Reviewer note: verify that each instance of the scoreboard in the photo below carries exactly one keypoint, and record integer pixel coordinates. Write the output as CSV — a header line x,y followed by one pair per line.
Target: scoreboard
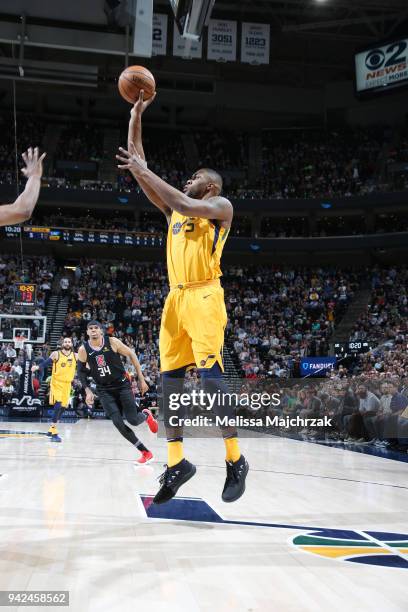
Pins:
x,y
347,349
25,294
73,236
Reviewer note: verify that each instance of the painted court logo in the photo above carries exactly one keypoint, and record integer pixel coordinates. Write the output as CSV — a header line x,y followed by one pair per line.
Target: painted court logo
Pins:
x,y
367,547
388,550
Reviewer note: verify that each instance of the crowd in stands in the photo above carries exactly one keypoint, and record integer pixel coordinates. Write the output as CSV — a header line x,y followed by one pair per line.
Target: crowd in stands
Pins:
x,y
284,227
397,162
311,164
10,371
390,223
38,270
222,150
360,410
385,319
293,163
30,133
81,142
276,315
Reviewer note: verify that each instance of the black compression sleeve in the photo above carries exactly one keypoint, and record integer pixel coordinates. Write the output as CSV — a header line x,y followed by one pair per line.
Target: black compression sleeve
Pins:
x,y
82,374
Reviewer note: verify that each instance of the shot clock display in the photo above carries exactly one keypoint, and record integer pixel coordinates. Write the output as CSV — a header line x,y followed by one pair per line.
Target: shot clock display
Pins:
x,y
25,294
344,349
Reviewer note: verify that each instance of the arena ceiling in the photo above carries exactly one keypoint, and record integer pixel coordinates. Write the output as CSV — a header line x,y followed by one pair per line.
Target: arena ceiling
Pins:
x,y
341,18
312,41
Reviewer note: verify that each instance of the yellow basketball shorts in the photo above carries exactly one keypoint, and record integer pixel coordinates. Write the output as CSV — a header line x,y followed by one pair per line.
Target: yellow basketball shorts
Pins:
x,y
60,392
192,327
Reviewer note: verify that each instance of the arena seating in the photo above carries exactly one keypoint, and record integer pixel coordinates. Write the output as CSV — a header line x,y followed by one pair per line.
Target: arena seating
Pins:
x,y
293,163
276,316
386,316
308,164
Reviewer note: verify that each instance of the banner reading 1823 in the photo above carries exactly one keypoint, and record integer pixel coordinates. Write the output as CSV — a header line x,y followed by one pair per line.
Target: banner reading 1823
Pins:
x,y
222,40
383,66
159,46
255,43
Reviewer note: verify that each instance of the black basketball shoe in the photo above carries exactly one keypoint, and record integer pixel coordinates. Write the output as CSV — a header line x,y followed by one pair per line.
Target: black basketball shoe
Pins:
x,y
172,479
235,482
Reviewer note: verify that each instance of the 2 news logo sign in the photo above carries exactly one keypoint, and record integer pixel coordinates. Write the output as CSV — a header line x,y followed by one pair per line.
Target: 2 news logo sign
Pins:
x,y
389,58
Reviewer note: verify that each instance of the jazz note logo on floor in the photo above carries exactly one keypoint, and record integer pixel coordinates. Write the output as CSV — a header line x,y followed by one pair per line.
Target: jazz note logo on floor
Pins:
x,y
367,547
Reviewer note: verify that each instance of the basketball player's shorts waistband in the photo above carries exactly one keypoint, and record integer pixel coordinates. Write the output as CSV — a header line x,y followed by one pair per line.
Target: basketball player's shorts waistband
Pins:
x,y
196,284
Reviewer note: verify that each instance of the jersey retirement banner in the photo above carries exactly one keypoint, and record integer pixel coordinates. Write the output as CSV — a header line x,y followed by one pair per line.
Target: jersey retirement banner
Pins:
x,y
255,43
222,40
182,47
159,46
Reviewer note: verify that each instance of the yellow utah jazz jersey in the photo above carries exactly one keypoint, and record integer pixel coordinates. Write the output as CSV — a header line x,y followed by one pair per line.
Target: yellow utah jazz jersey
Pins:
x,y
194,248
63,370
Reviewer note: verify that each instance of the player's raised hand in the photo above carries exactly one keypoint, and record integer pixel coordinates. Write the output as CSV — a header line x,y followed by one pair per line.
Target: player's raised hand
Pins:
x,y
131,160
33,163
140,106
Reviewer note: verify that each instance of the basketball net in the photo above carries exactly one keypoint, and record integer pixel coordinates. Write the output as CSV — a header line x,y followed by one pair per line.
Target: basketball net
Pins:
x,y
19,342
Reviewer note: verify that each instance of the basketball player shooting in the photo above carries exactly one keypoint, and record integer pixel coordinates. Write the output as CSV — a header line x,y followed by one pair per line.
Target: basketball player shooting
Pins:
x,y
194,315
64,363
103,354
22,209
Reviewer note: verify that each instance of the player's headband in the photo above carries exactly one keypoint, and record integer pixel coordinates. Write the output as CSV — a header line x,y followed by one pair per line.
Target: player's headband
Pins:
x,y
91,323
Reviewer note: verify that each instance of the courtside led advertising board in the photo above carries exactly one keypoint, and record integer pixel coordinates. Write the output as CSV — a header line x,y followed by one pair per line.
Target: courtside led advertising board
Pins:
x,y
382,67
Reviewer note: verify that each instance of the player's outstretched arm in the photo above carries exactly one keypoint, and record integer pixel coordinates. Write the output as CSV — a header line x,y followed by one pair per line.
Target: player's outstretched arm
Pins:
x,y
135,123
135,144
214,208
149,192
126,351
44,363
22,209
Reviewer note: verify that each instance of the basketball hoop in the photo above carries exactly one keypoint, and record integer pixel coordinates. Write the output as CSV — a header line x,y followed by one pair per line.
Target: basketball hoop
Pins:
x,y
19,342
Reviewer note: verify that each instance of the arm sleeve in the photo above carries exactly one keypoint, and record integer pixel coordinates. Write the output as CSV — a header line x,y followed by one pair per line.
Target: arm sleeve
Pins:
x,y
82,374
44,363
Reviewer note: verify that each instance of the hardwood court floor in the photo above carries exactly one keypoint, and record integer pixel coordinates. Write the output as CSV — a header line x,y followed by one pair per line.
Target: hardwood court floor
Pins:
x,y
77,516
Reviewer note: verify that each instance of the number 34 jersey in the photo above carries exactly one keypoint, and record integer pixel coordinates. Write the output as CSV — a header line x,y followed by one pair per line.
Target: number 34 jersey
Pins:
x,y
106,367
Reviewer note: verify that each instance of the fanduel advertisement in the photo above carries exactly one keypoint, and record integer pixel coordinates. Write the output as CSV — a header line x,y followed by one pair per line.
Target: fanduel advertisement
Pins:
x,y
316,366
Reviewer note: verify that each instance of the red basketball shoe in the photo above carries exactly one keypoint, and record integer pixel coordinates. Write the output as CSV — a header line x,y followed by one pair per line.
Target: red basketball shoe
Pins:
x,y
151,421
147,457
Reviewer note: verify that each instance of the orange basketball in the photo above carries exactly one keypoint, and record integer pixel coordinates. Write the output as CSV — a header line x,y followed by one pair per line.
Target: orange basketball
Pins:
x,y
132,80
